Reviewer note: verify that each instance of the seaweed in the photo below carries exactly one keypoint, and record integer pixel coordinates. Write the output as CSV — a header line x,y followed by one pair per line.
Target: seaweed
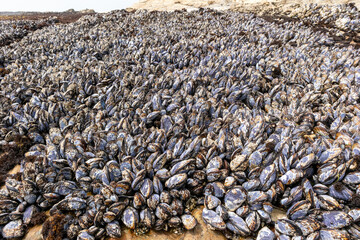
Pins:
x,y
53,228
3,72
355,200
11,155
37,219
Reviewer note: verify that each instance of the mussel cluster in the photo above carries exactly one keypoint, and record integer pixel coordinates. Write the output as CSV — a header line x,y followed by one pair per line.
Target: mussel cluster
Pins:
x,y
137,117
13,30
344,17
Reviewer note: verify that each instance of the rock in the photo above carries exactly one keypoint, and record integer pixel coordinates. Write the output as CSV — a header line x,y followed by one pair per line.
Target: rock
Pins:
x,y
34,233
88,11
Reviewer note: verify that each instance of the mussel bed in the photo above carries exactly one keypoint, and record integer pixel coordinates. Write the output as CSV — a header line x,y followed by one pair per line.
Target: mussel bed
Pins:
x,y
135,118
